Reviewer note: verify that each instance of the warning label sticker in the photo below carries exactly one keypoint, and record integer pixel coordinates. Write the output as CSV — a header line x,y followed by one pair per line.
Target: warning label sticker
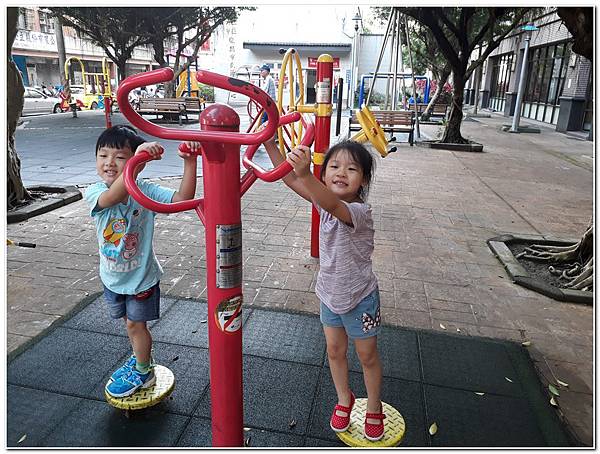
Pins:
x,y
228,314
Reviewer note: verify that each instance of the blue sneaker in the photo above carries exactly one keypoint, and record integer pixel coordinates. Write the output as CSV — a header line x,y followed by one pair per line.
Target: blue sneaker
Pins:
x,y
127,384
124,369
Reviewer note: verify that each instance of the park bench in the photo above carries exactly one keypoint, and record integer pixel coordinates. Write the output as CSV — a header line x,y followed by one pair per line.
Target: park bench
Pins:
x,y
194,105
164,106
390,121
439,110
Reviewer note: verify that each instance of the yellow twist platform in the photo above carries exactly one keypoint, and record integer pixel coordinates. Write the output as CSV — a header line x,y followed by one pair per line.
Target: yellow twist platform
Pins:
x,y
393,432
142,398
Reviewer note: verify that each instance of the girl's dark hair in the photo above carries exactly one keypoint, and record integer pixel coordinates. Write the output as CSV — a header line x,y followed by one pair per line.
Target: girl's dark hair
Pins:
x,y
360,155
119,136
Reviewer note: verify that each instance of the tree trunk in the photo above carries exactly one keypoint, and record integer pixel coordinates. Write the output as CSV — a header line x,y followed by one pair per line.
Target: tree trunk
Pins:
x,y
438,91
452,132
17,194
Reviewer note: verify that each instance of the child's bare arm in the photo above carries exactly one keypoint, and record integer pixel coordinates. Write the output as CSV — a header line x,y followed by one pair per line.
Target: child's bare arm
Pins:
x,y
299,158
187,187
291,180
117,192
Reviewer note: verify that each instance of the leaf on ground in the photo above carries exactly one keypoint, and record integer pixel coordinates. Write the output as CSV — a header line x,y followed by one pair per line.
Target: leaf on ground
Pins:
x,y
553,402
526,343
508,379
292,423
175,358
202,321
458,330
562,383
433,429
553,390
442,326
22,438
480,394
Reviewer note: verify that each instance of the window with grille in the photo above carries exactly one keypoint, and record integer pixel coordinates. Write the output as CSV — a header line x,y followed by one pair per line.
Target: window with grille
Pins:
x,y
501,70
46,22
546,72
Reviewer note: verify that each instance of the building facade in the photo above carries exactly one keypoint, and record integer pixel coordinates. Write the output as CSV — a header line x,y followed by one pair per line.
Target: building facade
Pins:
x,y
558,86
35,52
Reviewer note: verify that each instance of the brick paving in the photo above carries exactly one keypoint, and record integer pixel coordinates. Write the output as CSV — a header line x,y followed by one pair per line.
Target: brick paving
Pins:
x,y
433,212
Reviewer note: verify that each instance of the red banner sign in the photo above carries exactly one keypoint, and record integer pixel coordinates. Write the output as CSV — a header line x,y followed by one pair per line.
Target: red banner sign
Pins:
x,y
312,62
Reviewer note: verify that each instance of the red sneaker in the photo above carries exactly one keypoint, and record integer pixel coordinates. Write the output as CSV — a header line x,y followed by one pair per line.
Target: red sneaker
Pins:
x,y
341,423
374,432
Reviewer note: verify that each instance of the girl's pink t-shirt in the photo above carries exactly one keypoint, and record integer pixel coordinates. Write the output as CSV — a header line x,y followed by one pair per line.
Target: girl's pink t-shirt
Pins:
x,y
346,273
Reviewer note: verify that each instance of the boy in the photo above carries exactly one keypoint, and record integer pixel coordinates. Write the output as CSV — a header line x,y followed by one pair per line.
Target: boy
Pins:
x,y
129,269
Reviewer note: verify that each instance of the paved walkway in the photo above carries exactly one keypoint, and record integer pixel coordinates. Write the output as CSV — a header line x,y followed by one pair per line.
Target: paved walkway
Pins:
x,y
433,212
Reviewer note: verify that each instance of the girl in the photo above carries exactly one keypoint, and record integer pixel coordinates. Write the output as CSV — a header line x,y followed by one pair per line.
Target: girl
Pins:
x,y
346,284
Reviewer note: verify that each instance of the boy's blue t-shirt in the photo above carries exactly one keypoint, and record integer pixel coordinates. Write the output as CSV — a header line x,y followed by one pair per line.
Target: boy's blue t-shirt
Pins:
x,y
127,262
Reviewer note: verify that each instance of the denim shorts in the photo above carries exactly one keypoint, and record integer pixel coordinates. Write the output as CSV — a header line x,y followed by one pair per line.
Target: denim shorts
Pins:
x,y
143,307
361,322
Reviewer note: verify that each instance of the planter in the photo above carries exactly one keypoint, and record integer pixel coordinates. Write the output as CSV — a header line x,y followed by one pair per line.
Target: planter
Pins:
x,y
501,247
48,198
472,146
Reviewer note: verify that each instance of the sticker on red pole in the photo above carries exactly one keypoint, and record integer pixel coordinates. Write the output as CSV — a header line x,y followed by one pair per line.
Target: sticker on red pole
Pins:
x,y
324,91
229,256
228,314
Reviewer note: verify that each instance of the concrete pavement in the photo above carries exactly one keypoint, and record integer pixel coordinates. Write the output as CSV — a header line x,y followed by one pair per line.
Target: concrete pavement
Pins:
x,y
433,212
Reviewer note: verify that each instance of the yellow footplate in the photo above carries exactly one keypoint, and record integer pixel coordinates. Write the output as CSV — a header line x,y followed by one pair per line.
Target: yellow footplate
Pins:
x,y
393,433
142,398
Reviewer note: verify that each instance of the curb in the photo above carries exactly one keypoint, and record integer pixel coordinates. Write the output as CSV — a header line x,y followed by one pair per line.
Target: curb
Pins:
x,y
520,276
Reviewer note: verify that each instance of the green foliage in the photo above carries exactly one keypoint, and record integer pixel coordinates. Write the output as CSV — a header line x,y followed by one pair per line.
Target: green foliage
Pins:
x,y
207,92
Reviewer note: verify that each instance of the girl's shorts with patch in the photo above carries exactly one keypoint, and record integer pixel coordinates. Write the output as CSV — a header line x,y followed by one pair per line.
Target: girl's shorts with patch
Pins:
x,y
143,307
361,322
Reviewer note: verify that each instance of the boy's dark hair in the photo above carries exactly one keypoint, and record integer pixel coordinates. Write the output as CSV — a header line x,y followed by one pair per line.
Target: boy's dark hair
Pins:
x,y
363,158
119,136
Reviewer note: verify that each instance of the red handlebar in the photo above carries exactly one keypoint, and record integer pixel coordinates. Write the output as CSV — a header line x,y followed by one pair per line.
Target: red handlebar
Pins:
x,y
145,201
209,78
285,167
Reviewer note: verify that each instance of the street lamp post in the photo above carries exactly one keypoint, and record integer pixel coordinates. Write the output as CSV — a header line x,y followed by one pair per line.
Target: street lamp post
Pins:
x,y
517,115
354,73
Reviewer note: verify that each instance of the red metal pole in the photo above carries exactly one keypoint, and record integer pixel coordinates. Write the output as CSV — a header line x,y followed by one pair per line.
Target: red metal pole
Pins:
x,y
222,210
322,133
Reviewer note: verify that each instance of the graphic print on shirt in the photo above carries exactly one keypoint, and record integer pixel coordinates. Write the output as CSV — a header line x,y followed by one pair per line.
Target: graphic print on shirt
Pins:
x,y
369,322
131,245
120,250
114,231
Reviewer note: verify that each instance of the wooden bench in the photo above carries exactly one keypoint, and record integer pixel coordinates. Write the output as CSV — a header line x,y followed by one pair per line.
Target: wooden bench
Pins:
x,y
163,106
439,110
194,105
391,121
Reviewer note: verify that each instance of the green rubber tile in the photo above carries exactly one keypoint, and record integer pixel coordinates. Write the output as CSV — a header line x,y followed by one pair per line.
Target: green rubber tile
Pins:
x,y
398,352
320,443
198,433
275,394
67,361
95,317
33,414
285,336
98,424
467,419
468,363
404,396
186,323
